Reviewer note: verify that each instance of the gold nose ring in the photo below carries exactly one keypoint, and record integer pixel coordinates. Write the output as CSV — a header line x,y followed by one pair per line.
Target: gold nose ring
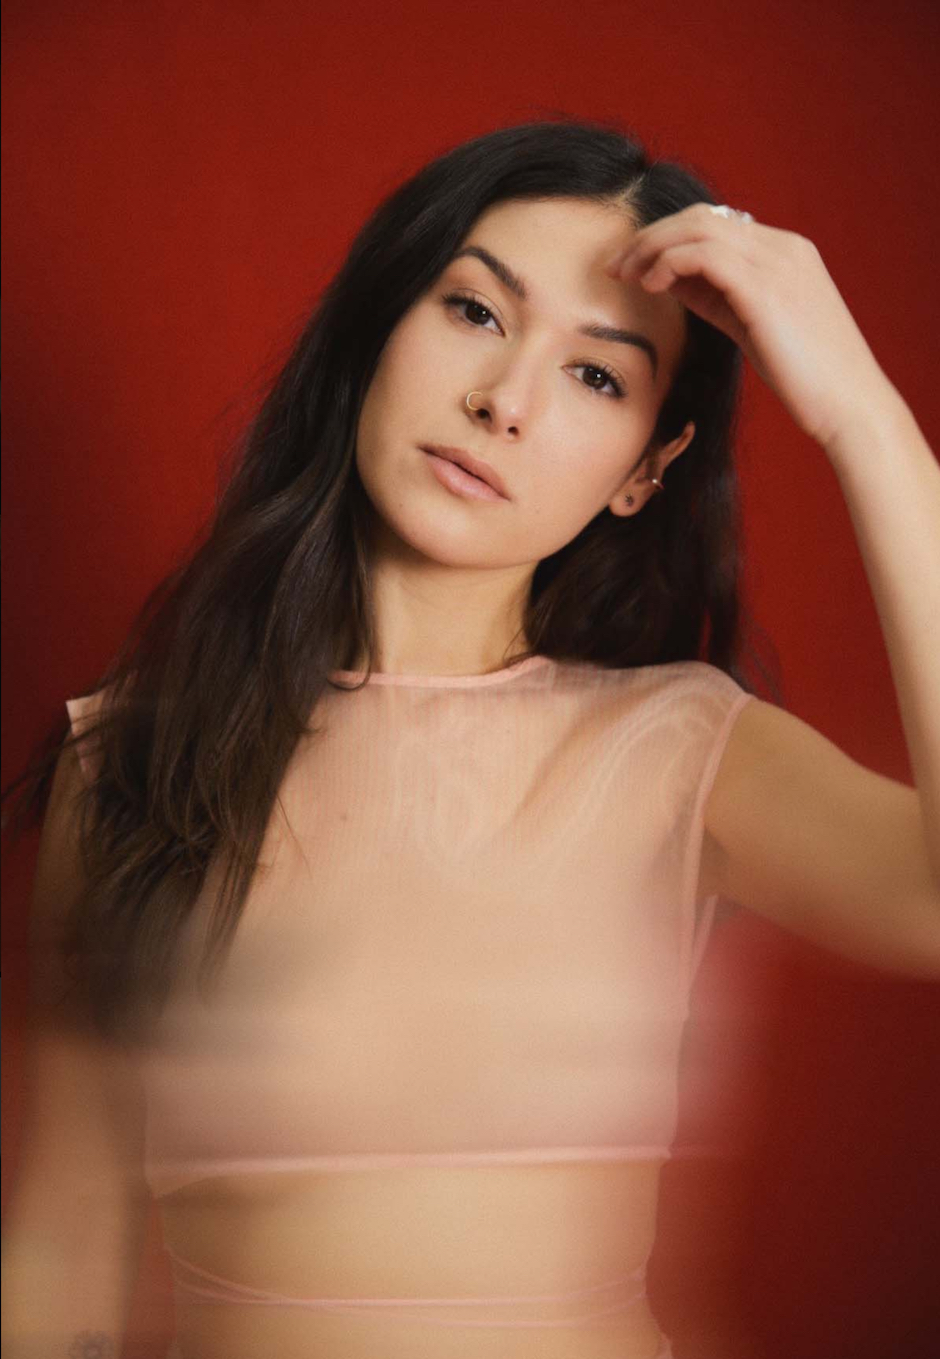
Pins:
x,y
469,407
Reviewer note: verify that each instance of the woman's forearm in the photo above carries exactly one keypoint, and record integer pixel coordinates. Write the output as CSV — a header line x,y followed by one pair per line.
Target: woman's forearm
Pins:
x,y
891,482
69,1273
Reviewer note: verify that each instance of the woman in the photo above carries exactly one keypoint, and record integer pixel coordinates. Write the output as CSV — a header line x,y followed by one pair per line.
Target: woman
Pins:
x,y
378,865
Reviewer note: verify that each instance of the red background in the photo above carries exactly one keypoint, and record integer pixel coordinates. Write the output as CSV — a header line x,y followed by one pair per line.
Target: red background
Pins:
x,y
180,181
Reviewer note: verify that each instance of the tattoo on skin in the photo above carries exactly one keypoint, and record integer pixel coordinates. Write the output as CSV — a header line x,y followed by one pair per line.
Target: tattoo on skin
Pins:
x,y
92,1345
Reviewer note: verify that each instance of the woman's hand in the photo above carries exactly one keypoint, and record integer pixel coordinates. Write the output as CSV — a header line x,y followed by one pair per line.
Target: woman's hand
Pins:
x,y
770,291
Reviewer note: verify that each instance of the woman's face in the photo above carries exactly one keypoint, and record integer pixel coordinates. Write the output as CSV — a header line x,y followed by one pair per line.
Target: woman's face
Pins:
x,y
562,417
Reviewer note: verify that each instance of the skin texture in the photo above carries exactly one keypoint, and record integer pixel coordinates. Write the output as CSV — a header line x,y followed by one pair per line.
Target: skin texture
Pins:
x,y
92,1345
451,574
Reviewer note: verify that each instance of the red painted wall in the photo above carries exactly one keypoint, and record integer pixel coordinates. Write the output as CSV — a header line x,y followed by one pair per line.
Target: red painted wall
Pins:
x,y
179,182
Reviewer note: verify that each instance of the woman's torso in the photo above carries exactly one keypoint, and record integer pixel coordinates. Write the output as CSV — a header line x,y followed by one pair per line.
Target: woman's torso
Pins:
x,y
413,1233
473,933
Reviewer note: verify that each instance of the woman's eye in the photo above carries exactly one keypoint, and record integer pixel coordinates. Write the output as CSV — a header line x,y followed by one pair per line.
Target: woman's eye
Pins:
x,y
458,300
609,379
472,306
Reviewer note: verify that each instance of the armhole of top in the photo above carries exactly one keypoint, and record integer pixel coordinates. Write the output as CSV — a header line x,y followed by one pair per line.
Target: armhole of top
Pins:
x,y
700,915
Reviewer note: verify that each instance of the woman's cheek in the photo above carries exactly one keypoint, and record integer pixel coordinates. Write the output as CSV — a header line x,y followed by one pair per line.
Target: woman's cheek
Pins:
x,y
564,508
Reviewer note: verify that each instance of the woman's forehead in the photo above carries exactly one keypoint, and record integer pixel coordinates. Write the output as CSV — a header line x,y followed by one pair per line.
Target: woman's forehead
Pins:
x,y
574,224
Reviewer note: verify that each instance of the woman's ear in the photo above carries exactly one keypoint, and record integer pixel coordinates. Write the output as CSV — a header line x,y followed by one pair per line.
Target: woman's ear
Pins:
x,y
637,489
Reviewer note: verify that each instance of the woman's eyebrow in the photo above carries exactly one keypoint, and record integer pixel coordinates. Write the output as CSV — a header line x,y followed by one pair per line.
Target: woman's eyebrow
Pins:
x,y
597,330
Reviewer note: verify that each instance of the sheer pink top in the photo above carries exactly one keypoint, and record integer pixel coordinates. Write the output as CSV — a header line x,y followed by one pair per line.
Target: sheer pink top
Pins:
x,y
473,936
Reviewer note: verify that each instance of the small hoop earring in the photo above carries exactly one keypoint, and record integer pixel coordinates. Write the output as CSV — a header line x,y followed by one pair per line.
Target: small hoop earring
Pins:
x,y
629,499
469,407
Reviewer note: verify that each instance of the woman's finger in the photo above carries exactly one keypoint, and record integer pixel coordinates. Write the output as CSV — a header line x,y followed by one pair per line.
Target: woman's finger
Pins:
x,y
695,223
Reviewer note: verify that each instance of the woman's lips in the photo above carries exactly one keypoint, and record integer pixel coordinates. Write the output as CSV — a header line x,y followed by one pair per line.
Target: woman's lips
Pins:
x,y
474,465
452,476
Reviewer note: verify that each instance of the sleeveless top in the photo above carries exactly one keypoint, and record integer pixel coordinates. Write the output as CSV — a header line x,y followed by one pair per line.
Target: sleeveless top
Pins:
x,y
472,936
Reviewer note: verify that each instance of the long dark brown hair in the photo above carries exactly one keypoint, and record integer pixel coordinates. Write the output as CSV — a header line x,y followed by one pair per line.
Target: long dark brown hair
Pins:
x,y
205,701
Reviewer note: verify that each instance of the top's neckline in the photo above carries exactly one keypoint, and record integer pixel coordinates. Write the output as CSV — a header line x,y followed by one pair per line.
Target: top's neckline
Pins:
x,y
444,681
